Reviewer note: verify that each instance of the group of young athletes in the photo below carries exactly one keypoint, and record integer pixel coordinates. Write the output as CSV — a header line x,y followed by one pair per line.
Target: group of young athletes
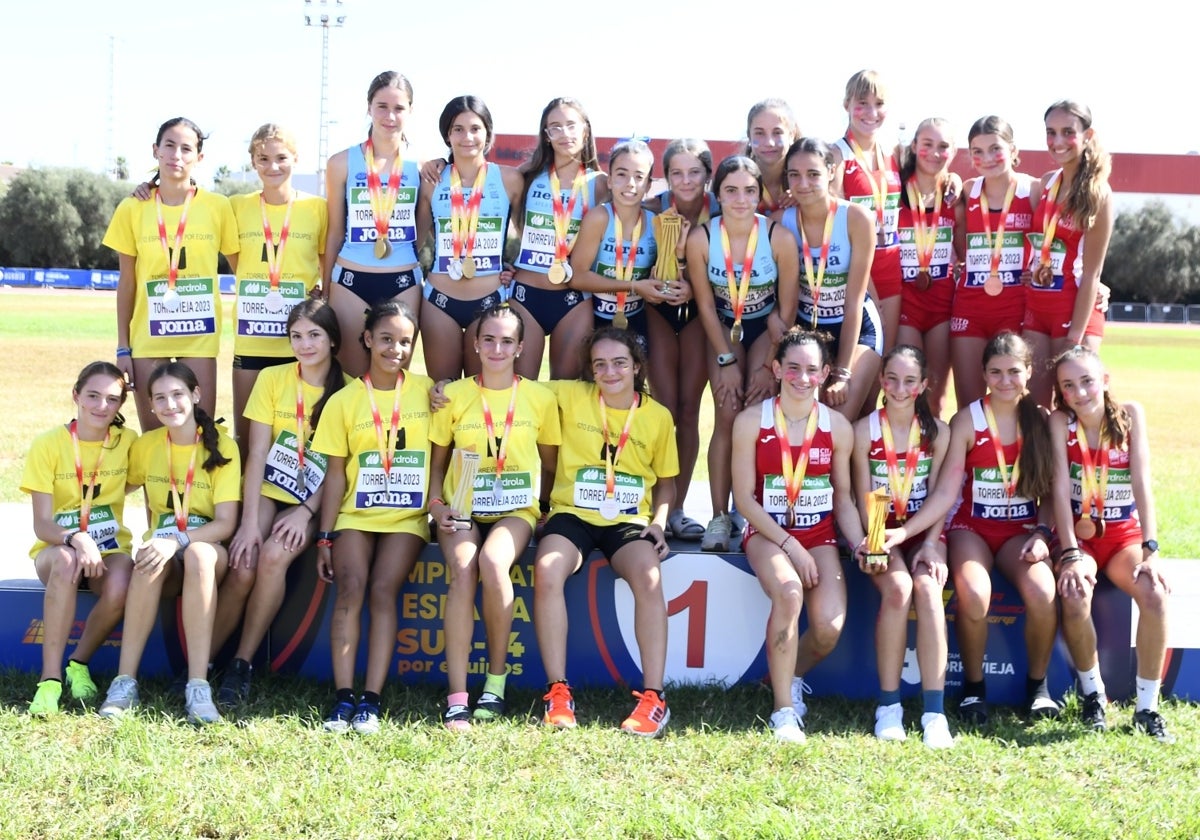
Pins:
x,y
811,278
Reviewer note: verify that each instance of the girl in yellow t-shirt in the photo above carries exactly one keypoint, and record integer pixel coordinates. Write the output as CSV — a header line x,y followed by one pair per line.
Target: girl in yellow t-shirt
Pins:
x,y
511,425
192,477
281,489
271,279
168,295
374,523
75,476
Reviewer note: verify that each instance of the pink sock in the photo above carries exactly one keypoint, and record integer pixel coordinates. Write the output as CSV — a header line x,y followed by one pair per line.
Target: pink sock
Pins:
x,y
458,698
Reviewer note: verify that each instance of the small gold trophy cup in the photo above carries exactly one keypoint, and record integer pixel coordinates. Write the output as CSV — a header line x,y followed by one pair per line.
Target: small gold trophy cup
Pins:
x,y
464,464
878,502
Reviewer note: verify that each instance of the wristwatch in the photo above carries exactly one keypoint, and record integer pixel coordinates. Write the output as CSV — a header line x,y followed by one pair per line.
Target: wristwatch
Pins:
x,y
1150,545
183,539
725,359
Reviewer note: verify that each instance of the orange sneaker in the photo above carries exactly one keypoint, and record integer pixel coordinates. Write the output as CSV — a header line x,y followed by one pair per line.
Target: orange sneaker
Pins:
x,y
649,718
560,706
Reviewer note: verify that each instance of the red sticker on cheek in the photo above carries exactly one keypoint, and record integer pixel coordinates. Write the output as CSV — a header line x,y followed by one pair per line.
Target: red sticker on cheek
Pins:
x,y
922,153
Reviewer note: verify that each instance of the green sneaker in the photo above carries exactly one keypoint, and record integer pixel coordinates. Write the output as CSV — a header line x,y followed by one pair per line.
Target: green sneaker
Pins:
x,y
79,681
45,702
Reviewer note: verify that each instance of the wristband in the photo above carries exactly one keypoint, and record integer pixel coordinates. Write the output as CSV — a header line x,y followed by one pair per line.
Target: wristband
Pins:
x,y
304,505
1070,555
433,502
327,536
70,535
1044,531
324,543
124,352
183,539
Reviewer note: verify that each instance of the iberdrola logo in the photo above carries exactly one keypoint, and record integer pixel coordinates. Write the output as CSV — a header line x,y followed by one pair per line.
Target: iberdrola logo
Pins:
x,y
537,220
591,474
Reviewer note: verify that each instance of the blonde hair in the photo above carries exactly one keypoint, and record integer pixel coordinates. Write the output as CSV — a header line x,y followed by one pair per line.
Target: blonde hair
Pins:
x,y
864,83
271,131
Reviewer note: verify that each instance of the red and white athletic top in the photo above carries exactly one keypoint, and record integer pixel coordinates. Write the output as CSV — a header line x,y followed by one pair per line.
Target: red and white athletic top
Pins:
x,y
814,508
877,459
1120,513
985,499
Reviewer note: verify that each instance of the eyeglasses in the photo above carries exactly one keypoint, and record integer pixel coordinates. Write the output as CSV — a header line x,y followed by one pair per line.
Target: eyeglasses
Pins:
x,y
556,131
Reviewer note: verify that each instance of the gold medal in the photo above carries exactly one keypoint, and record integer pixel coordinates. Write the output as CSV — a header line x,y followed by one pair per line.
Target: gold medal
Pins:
x,y
1043,275
994,285
735,332
557,273
383,249
620,321
923,279
468,268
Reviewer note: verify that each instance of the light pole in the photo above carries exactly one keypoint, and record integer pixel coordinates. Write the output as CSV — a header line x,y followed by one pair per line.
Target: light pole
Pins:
x,y
325,14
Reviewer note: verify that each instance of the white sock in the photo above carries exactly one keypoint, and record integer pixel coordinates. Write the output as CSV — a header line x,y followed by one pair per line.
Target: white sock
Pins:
x,y
1147,694
1090,681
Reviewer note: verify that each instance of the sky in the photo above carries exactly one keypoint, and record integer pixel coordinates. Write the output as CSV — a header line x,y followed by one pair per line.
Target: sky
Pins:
x,y
82,81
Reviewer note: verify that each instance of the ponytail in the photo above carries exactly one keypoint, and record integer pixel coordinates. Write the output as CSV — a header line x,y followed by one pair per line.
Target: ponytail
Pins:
x,y
211,438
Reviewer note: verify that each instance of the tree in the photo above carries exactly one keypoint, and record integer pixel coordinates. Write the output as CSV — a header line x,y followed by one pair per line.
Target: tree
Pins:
x,y
57,218
1153,256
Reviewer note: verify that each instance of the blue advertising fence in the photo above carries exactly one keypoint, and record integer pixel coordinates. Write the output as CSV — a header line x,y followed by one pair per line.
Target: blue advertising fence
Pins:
x,y
76,278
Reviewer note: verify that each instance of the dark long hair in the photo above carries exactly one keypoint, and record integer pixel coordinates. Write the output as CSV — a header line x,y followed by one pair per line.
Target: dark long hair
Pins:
x,y
543,154
321,313
209,435
908,157
924,414
1116,423
168,125
1037,457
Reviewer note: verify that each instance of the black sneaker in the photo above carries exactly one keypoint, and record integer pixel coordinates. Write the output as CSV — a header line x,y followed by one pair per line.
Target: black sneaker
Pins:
x,y
1042,706
1092,714
1152,724
489,707
235,685
973,710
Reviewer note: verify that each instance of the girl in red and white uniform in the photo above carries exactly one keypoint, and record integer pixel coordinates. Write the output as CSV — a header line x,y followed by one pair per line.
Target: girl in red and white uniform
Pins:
x,y
1075,221
900,449
928,200
990,226
866,173
771,129
1104,509
998,466
791,497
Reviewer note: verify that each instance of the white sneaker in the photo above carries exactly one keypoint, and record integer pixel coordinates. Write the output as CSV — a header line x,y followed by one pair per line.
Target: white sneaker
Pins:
x,y
937,731
799,689
122,697
889,723
787,726
716,535
199,703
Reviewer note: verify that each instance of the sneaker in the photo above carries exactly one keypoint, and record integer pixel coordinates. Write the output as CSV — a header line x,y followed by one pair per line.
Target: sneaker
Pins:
x,y
79,681
1092,713
560,707
198,701
235,685
1041,706
339,718
649,717
936,731
787,727
489,707
683,527
458,718
889,723
122,697
1152,723
973,710
799,689
716,535
737,522
45,701
366,719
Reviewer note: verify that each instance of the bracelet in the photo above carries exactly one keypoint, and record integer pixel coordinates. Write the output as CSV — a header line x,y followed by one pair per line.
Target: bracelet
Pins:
x,y
324,543
784,542
1070,555
304,505
1043,531
327,536
70,535
124,352
433,502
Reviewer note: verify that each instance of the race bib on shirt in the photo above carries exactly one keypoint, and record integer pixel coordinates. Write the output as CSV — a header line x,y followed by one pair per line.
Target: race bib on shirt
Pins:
x,y
283,464
979,258
102,525
516,493
195,315
254,316
164,525
489,245
939,264
1058,256
990,499
629,490
403,488
814,503
402,226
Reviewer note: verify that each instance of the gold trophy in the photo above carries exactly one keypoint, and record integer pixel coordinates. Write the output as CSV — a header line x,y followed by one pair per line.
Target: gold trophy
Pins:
x,y
667,228
464,464
878,502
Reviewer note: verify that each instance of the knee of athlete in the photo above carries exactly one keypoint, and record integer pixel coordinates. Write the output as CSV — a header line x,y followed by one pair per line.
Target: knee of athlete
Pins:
x,y
383,597
64,566
199,558
789,600
240,580
463,575
495,573
1077,609
825,635
273,559
1151,601
896,592
927,592
351,586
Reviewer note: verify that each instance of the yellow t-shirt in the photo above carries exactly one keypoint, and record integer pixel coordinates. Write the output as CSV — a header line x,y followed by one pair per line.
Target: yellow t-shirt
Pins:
x,y
272,402
535,421
50,468
148,469
193,329
375,502
257,330
649,454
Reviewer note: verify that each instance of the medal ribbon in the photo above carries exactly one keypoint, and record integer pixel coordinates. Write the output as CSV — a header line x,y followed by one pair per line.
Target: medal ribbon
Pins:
x,y
1050,219
610,463
275,251
87,494
814,283
387,449
924,227
625,270
997,244
1094,482
1007,478
901,486
464,215
301,436
793,476
382,204
878,178
562,214
172,254
502,449
182,505
738,294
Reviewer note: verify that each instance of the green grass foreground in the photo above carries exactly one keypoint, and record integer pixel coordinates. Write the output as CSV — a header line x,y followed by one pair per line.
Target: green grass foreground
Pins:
x,y
275,774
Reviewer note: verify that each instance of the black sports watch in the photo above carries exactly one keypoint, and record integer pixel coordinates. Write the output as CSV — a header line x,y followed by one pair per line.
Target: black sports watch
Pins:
x,y
1150,545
